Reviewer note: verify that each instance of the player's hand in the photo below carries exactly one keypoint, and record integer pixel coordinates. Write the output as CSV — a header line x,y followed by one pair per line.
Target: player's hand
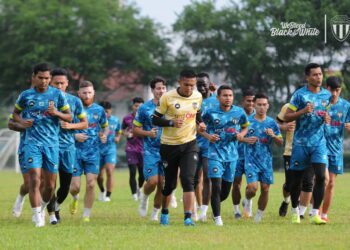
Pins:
x,y
291,126
65,125
251,140
153,133
270,132
81,137
103,137
239,136
178,123
327,118
347,126
52,109
214,138
309,108
202,127
27,123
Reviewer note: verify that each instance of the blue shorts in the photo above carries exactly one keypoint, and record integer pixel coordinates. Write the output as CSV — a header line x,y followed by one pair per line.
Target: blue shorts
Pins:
x,y
24,170
253,174
40,157
87,164
303,156
152,165
68,159
239,168
109,156
203,152
335,164
219,169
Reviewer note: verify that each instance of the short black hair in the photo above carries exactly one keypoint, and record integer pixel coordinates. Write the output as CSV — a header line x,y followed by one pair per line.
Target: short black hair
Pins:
x,y
203,74
311,66
223,87
85,84
59,72
153,82
333,82
248,92
261,96
137,100
106,105
41,67
187,73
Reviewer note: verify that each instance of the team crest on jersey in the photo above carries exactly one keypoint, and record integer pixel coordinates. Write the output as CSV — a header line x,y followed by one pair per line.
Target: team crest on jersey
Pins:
x,y
177,106
340,114
324,103
31,103
251,131
195,105
234,121
216,121
95,115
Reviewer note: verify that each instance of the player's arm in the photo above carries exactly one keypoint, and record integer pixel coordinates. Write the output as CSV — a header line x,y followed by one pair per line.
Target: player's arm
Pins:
x,y
140,132
118,135
276,137
293,114
26,123
159,120
15,126
81,125
64,114
199,121
210,137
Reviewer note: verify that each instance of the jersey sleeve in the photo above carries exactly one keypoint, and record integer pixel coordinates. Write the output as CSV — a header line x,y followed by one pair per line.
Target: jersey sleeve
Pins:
x,y
276,129
295,102
62,104
118,129
139,117
162,105
20,103
243,121
124,125
79,112
103,119
281,114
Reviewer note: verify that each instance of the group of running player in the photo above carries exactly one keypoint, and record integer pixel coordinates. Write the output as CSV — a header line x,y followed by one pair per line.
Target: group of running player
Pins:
x,y
193,132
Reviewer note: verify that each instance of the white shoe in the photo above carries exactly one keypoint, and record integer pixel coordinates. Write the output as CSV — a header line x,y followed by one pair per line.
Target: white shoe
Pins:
x,y
39,220
135,197
53,220
143,207
101,196
247,208
173,202
202,217
218,221
107,199
154,215
17,207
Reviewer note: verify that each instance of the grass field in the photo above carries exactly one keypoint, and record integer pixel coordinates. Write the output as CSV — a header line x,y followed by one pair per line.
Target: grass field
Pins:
x,y
116,225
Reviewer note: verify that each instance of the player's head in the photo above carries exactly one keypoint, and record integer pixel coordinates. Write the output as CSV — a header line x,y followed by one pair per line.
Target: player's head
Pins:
x,y
187,81
333,84
313,75
86,92
203,83
248,100
41,76
225,96
261,103
107,106
158,87
59,79
136,103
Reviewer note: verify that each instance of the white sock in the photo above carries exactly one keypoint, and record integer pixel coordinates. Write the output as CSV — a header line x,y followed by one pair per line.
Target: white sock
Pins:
x,y
36,210
76,197
314,212
53,217
296,211
302,210
217,217
259,213
44,205
156,210
287,199
20,197
204,209
57,206
237,209
86,212
324,215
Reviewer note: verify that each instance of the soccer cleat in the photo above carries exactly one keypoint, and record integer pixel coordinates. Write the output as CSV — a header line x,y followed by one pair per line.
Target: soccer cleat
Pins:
x,y
107,199
86,219
135,197
154,215
38,220
195,215
164,219
283,209
202,217
57,215
189,222
17,207
302,217
53,220
173,202
247,209
74,207
257,218
316,219
218,221
143,207
295,219
237,216
325,219
102,196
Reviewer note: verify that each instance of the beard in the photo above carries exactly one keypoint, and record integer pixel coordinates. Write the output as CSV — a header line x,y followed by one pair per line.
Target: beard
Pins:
x,y
88,102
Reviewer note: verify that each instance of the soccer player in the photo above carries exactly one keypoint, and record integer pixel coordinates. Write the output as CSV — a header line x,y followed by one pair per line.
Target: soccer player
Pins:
x,y
248,106
67,151
41,104
262,131
179,113
226,124
340,118
308,106
88,153
134,150
108,153
153,165
203,188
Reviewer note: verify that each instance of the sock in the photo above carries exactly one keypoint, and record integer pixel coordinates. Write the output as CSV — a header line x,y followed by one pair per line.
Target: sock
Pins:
x,y
296,211
204,209
165,211
324,215
44,205
188,214
237,209
259,213
76,197
287,199
302,210
52,218
36,210
86,212
20,197
156,210
217,217
57,206
314,212
108,194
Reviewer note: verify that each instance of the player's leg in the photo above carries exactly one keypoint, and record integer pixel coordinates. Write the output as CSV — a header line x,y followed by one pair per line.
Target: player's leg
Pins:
x,y
100,180
236,189
132,180
318,192
141,178
89,198
306,190
157,198
329,191
75,184
206,190
263,200
23,191
285,189
110,179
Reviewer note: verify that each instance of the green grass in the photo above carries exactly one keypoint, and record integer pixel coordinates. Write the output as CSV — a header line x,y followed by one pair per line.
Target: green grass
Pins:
x,y
116,225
